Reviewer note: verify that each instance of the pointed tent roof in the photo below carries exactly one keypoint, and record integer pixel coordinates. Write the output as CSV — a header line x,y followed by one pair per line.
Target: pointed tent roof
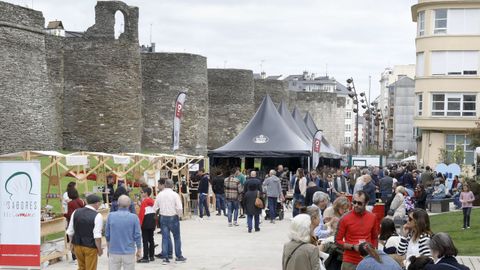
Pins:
x,y
266,135
310,123
298,119
287,117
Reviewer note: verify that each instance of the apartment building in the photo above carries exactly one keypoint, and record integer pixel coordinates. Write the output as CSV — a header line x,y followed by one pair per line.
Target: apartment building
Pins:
x,y
447,82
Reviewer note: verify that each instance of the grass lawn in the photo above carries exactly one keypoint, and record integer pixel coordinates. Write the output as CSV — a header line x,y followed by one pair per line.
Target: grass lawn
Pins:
x,y
466,241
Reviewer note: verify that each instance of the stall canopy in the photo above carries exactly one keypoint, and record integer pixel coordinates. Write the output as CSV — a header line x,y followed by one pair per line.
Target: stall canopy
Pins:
x,y
266,135
310,123
287,117
296,114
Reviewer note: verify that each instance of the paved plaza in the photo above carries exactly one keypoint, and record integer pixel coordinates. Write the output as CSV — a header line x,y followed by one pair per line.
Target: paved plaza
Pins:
x,y
211,244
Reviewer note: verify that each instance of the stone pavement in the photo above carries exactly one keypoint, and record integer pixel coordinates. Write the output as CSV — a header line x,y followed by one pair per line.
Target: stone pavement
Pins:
x,y
471,262
211,244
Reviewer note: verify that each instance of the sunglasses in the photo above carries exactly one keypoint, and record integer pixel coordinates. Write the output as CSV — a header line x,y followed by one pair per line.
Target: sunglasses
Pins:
x,y
357,203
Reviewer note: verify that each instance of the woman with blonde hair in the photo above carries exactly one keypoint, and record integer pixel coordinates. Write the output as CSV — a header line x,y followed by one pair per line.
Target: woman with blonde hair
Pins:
x,y
299,253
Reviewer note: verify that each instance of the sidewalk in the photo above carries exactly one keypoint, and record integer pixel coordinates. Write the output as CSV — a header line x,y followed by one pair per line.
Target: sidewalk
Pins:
x,y
211,244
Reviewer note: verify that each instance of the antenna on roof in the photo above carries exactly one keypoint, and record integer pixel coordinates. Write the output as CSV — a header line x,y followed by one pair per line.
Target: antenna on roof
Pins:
x,y
150,33
326,70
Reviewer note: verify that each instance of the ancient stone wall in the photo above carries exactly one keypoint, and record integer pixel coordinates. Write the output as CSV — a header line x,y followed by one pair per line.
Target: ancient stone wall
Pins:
x,y
102,97
28,112
328,111
278,91
164,76
231,104
55,67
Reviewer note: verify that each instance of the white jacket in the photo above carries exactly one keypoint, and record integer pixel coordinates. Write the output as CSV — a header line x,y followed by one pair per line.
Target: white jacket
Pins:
x,y
398,205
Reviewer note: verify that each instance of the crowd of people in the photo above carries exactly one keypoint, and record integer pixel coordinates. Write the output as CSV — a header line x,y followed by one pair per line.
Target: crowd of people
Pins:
x,y
333,226
331,232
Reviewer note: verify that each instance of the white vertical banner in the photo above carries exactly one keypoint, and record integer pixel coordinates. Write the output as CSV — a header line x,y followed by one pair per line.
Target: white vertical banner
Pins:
x,y
20,203
316,145
177,117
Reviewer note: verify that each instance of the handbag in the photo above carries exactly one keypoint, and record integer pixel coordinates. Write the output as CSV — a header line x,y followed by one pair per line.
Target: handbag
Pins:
x,y
258,201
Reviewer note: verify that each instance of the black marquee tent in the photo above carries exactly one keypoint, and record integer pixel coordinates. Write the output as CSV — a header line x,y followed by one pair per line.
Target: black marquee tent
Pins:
x,y
287,117
296,115
266,135
310,123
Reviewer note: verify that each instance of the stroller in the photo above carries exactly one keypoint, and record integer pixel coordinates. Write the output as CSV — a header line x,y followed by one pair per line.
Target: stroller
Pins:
x,y
279,211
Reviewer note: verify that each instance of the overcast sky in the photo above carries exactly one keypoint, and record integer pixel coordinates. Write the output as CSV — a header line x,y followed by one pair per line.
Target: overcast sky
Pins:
x,y
354,38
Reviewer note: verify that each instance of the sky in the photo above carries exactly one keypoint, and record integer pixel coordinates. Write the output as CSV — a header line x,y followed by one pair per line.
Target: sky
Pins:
x,y
341,38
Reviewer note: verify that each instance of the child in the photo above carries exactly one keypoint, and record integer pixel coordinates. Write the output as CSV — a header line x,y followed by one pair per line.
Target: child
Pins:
x,y
466,198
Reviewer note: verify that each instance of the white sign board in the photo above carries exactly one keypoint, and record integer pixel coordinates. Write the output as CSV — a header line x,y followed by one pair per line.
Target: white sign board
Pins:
x,y
193,167
20,203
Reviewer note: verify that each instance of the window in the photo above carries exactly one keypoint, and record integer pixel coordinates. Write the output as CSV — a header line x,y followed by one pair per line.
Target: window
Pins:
x,y
454,104
420,65
462,141
348,115
463,21
452,22
456,63
419,104
347,139
348,127
421,23
348,101
440,21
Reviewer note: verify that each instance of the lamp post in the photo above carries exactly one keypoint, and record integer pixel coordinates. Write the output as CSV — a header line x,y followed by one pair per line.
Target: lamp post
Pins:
x,y
372,114
353,95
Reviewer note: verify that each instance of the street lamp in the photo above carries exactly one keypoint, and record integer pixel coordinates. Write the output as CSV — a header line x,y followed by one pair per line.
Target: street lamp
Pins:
x,y
353,95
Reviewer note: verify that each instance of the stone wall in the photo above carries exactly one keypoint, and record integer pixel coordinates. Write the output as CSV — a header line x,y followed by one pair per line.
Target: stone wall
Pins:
x,y
328,112
28,112
55,67
231,104
164,75
278,91
102,97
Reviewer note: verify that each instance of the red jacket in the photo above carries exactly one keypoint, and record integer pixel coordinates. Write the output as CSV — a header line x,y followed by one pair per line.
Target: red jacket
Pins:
x,y
354,227
145,203
72,206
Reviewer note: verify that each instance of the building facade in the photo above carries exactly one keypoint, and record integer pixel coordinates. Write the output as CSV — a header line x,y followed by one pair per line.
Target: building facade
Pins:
x,y
447,82
386,102
403,111
308,82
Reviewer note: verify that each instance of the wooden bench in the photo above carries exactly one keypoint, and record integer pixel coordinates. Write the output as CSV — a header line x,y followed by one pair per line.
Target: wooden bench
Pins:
x,y
439,205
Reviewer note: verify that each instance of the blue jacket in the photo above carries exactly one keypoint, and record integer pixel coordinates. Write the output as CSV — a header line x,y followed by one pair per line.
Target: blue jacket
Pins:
x,y
369,263
123,232
446,263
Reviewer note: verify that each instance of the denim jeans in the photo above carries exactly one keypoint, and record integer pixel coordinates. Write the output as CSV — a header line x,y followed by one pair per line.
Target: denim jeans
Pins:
x,y
297,198
220,201
203,203
257,222
232,207
272,206
456,201
171,224
466,216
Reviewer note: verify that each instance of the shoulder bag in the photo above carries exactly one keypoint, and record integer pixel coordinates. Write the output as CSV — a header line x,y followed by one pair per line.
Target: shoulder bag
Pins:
x,y
258,201
291,254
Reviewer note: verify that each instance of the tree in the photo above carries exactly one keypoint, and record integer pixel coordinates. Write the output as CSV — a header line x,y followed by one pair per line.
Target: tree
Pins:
x,y
474,134
456,156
